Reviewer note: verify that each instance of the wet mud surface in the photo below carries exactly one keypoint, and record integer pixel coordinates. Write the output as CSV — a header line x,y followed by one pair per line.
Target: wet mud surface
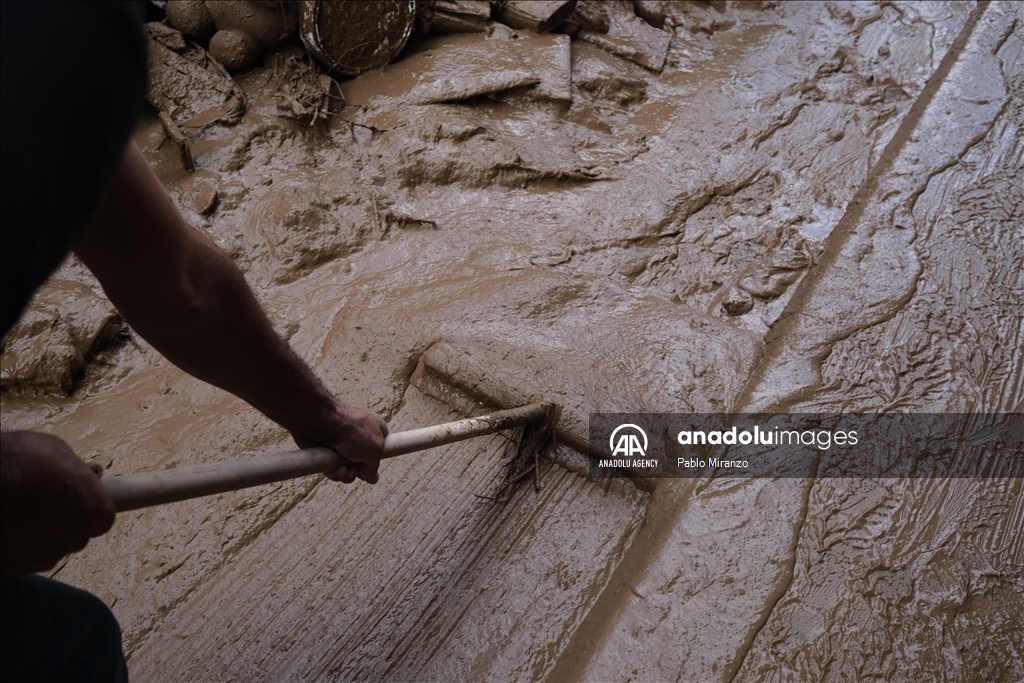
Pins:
x,y
811,207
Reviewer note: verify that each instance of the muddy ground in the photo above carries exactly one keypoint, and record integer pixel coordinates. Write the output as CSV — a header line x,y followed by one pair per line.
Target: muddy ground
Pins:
x,y
812,207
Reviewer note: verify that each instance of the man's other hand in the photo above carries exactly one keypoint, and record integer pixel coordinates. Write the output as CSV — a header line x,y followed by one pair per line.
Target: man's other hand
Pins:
x,y
53,503
356,434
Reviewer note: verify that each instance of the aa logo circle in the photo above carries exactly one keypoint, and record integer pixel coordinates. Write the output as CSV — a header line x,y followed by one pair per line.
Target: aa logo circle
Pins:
x,y
626,441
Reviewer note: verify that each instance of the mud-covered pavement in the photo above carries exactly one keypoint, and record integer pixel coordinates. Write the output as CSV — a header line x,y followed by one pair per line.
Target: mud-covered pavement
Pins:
x,y
812,207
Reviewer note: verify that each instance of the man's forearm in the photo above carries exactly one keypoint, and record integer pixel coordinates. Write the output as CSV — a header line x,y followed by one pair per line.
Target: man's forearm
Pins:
x,y
187,298
221,335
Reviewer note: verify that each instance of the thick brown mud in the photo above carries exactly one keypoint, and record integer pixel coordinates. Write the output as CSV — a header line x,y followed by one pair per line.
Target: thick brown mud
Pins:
x,y
803,207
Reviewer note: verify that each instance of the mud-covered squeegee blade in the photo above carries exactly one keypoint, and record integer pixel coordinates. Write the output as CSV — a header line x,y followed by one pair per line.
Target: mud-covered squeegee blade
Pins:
x,y
146,489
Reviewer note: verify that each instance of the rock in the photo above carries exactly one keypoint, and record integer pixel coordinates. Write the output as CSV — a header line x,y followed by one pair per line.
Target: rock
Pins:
x,y
737,302
234,49
652,12
192,18
589,15
539,17
460,16
62,328
204,201
270,24
631,37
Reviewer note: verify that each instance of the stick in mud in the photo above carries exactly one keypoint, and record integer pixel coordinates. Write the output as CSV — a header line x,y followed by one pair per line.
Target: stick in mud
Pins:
x,y
180,139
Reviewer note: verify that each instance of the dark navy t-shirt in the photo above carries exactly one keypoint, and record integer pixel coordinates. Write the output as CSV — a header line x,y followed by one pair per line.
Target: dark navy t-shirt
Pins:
x,y
72,84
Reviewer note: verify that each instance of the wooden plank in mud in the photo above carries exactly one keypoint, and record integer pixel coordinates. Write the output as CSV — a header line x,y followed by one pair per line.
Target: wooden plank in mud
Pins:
x,y
456,68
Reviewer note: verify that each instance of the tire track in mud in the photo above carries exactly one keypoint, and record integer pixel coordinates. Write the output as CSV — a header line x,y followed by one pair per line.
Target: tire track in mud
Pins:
x,y
789,326
885,181
945,575
802,337
789,572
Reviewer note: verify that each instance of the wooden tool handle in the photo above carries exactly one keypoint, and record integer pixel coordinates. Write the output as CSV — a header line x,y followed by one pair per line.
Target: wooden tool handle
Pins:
x,y
134,491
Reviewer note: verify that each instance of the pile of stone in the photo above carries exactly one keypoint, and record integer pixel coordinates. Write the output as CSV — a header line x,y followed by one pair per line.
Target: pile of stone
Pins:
x,y
639,31
237,32
195,50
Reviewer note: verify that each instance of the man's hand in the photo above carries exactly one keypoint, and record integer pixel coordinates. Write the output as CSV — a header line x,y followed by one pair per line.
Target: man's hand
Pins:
x,y
53,503
356,434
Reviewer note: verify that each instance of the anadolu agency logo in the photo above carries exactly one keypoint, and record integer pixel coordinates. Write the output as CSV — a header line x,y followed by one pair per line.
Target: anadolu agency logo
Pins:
x,y
628,445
